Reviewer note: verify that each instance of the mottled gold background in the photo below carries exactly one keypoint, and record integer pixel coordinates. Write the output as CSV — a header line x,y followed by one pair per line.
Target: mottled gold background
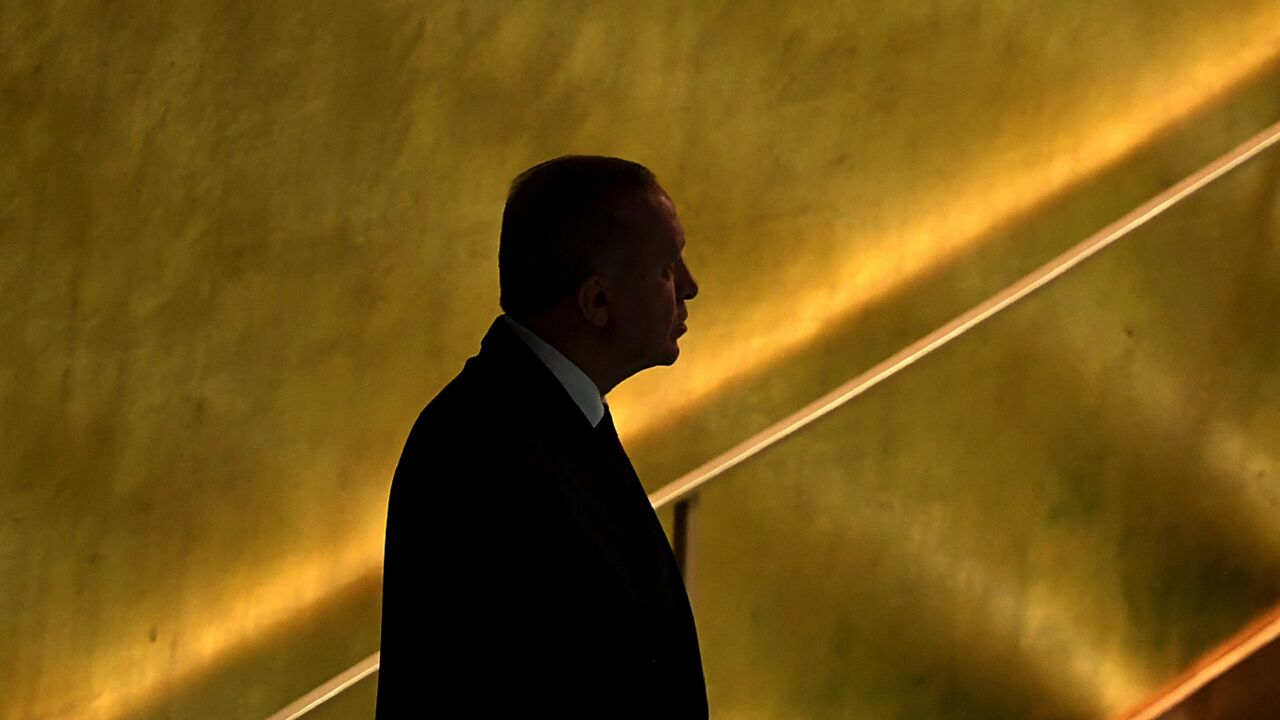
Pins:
x,y
244,243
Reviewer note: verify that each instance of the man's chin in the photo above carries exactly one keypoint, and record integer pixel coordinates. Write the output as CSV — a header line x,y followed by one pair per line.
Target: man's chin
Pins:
x,y
667,357
672,353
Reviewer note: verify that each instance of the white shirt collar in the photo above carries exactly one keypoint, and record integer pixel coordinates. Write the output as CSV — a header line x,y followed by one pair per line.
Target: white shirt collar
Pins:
x,y
579,386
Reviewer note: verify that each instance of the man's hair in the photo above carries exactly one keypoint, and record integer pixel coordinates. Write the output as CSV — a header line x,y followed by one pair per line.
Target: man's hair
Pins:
x,y
563,222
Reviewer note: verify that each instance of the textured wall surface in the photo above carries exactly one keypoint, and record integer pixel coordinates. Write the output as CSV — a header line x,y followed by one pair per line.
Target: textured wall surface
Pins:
x,y
244,243
1048,518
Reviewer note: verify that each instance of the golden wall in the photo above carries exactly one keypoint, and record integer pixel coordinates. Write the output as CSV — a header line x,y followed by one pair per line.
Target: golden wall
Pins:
x,y
244,243
1050,517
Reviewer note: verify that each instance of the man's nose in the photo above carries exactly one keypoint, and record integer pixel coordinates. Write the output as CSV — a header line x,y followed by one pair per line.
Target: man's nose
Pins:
x,y
689,286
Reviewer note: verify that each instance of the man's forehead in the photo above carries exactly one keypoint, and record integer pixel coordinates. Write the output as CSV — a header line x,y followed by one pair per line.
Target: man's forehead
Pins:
x,y
665,201
667,207
652,207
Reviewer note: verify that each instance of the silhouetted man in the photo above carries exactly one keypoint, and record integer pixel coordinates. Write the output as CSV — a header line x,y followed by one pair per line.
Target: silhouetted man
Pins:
x,y
526,574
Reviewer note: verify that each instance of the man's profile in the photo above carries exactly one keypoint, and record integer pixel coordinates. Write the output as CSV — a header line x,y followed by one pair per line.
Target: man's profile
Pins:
x,y
525,572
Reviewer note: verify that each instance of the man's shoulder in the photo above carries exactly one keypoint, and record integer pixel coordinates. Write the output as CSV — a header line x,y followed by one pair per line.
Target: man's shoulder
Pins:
x,y
459,400
496,416
476,410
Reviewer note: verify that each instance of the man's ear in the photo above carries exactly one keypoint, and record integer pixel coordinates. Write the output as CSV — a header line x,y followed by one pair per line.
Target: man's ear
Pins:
x,y
593,300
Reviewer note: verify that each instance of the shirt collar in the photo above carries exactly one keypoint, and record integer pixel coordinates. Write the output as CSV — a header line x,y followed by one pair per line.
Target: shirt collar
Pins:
x,y
575,382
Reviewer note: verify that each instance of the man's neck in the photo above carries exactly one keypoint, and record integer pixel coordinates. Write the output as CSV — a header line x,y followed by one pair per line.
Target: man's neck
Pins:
x,y
577,347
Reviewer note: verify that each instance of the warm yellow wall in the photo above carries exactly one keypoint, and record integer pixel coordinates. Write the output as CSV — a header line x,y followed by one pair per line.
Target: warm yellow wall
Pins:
x,y
1050,517
244,243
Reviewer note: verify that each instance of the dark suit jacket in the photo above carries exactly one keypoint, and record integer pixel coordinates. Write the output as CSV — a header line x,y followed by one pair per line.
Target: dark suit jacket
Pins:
x,y
526,574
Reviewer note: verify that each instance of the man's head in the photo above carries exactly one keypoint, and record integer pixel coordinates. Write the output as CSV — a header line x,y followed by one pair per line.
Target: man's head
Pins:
x,y
590,259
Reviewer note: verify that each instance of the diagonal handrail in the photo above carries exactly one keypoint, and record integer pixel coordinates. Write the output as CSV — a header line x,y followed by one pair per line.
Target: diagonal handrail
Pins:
x,y
1230,653
682,490
328,689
